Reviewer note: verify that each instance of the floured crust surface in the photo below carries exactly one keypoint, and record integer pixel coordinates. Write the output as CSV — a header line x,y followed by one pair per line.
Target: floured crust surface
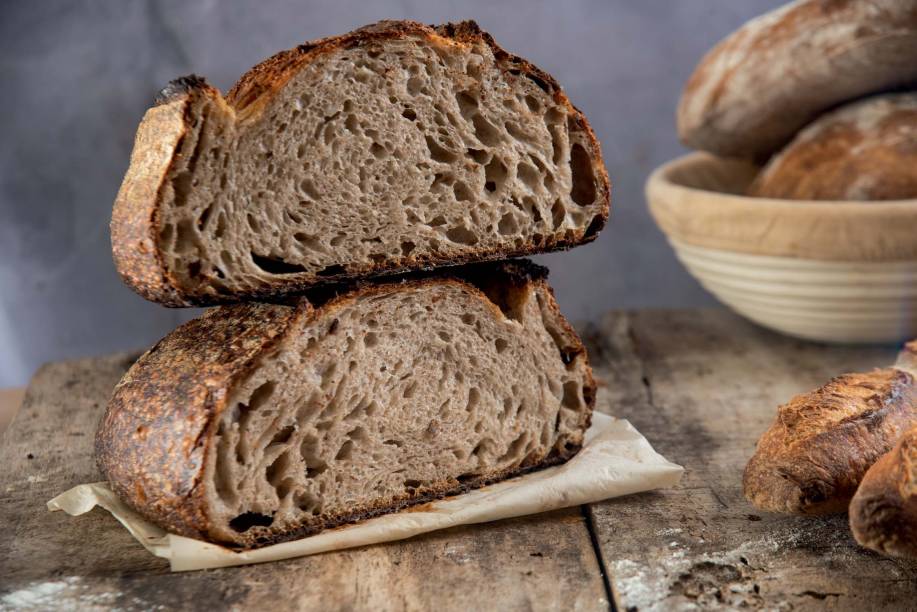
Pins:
x,y
162,256
177,416
755,89
813,457
862,151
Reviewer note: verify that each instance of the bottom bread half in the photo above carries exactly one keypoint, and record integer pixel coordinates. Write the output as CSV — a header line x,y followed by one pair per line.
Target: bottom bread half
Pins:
x,y
259,423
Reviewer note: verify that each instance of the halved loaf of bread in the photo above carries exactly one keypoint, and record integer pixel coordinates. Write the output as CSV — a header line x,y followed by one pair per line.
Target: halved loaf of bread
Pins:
x,y
258,423
392,148
815,454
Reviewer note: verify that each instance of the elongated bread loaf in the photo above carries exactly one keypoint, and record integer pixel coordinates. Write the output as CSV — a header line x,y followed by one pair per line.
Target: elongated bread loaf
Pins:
x,y
259,423
392,148
861,151
813,457
755,89
883,513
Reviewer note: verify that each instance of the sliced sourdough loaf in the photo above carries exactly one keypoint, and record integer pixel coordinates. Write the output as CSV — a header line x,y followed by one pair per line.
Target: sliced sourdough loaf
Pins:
x,y
395,147
258,423
815,454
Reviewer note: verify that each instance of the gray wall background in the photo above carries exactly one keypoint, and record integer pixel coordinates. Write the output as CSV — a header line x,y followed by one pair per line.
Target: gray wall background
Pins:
x,y
77,77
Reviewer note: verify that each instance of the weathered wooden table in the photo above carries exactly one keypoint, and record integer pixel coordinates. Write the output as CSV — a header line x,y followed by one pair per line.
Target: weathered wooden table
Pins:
x,y
701,385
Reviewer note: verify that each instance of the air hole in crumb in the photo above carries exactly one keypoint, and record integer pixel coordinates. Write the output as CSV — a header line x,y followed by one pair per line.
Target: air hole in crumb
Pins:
x,y
486,132
479,156
247,520
462,192
276,265
583,177
507,225
571,397
529,176
346,451
283,435
377,150
308,187
407,247
438,153
409,114
533,103
467,103
461,235
500,344
494,174
558,214
474,398
414,85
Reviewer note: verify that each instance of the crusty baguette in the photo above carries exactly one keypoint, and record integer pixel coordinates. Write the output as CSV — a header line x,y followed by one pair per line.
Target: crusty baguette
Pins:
x,y
395,147
862,151
813,457
259,423
883,513
755,89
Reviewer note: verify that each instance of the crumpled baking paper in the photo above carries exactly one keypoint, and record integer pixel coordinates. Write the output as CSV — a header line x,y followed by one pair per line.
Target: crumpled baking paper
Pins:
x,y
615,460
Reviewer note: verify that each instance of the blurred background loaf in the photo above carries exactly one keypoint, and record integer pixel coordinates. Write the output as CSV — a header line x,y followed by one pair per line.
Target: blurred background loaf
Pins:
x,y
866,150
820,243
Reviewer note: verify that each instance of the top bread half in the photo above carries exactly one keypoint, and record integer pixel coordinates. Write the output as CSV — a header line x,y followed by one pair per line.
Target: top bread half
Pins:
x,y
392,148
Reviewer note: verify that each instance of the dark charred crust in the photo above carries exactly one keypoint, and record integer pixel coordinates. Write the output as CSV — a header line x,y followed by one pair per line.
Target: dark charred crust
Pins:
x,y
148,445
180,87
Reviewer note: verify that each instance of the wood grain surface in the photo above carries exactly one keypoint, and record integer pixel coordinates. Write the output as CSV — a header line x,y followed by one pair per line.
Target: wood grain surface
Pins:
x,y
701,385
544,562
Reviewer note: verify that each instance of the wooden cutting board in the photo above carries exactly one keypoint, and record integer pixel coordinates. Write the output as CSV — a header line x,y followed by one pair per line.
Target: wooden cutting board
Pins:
x,y
701,385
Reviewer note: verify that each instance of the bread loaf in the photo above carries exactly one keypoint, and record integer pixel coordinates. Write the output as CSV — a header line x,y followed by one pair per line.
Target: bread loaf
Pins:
x,y
259,423
813,457
862,151
754,90
395,147
883,513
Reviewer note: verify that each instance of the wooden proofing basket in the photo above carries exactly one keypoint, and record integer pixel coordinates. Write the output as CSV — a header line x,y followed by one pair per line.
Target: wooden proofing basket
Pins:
x,y
834,271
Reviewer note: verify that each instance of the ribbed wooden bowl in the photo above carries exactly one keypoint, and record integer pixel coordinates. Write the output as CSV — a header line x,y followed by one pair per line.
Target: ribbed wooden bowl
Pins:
x,y
842,272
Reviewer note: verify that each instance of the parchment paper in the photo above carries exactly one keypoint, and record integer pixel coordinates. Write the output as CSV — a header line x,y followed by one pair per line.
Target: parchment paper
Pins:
x,y
615,460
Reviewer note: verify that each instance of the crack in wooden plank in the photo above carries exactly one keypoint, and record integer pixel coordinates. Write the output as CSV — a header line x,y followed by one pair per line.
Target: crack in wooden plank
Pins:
x,y
597,549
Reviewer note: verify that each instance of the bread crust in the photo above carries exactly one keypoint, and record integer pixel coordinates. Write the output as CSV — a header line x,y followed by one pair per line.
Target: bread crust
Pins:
x,y
883,513
861,151
760,85
814,455
134,225
152,444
